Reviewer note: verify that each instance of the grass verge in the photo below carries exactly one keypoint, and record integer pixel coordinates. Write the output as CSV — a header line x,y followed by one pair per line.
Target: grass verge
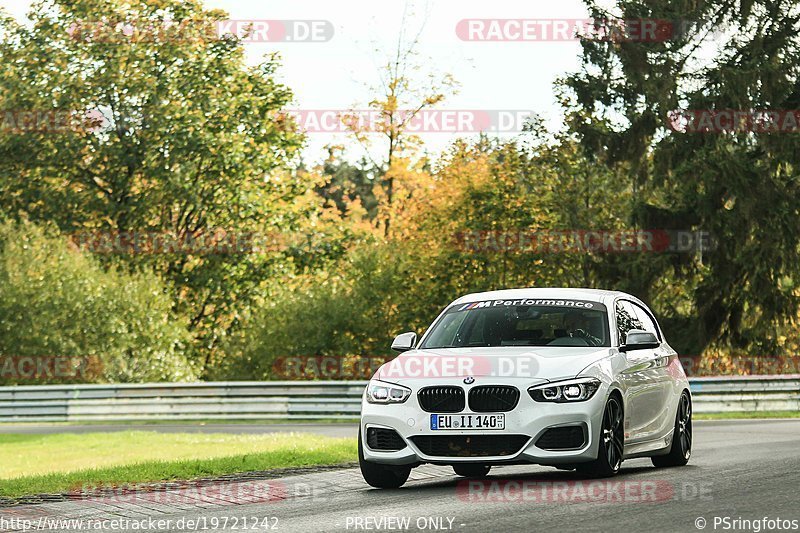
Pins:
x,y
188,422
51,464
746,415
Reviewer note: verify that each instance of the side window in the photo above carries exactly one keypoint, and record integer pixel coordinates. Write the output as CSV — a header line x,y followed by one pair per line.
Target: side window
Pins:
x,y
644,318
626,320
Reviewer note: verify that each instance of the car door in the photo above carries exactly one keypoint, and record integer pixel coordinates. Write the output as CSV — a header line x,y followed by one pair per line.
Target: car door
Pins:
x,y
663,412
646,380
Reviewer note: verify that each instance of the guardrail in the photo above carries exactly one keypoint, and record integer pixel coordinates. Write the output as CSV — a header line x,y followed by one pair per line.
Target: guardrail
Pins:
x,y
256,400
306,400
745,393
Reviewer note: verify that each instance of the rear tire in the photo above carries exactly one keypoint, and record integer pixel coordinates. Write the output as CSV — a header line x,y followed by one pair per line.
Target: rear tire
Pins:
x,y
611,446
472,470
381,476
681,449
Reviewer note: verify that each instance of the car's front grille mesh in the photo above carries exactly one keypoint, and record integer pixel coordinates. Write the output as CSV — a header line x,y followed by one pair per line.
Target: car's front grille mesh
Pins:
x,y
441,399
562,438
384,439
469,445
493,398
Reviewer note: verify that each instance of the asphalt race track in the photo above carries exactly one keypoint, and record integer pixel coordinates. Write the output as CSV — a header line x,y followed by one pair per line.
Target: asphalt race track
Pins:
x,y
748,470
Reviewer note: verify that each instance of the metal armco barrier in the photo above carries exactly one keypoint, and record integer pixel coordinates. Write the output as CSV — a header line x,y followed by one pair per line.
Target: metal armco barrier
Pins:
x,y
305,400
745,393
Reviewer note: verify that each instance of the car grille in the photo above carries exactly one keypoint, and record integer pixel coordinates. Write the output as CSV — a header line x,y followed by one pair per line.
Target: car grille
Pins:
x,y
493,398
562,438
441,399
469,445
384,439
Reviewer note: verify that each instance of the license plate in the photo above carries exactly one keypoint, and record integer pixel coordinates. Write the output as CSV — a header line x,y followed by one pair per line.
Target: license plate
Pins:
x,y
455,422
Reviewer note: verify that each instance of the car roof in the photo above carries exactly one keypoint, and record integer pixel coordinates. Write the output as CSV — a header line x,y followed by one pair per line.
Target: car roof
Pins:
x,y
592,295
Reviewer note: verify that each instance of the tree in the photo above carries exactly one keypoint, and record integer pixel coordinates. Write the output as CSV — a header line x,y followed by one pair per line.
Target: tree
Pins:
x,y
406,89
739,185
168,132
347,183
100,325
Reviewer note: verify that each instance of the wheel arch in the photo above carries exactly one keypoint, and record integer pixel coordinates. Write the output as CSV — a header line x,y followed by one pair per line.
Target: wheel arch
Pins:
x,y
617,392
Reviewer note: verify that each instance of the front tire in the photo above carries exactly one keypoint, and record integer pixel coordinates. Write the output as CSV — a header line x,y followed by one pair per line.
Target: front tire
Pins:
x,y
381,476
612,440
681,449
472,470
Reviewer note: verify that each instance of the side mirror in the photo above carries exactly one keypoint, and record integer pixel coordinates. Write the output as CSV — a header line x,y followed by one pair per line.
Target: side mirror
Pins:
x,y
404,342
639,339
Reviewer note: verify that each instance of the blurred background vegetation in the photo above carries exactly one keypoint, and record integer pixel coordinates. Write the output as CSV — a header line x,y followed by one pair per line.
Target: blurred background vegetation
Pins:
x,y
192,139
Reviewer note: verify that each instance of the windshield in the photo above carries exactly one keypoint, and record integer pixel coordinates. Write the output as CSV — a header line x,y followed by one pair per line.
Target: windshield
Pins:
x,y
521,323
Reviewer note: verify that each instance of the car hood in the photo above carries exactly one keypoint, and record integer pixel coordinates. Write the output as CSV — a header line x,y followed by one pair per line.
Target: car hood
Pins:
x,y
526,362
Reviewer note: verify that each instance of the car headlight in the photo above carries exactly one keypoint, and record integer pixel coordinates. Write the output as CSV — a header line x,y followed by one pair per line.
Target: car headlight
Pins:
x,y
573,390
380,392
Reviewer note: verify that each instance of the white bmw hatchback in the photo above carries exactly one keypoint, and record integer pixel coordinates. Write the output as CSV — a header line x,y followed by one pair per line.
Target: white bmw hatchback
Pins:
x,y
573,378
